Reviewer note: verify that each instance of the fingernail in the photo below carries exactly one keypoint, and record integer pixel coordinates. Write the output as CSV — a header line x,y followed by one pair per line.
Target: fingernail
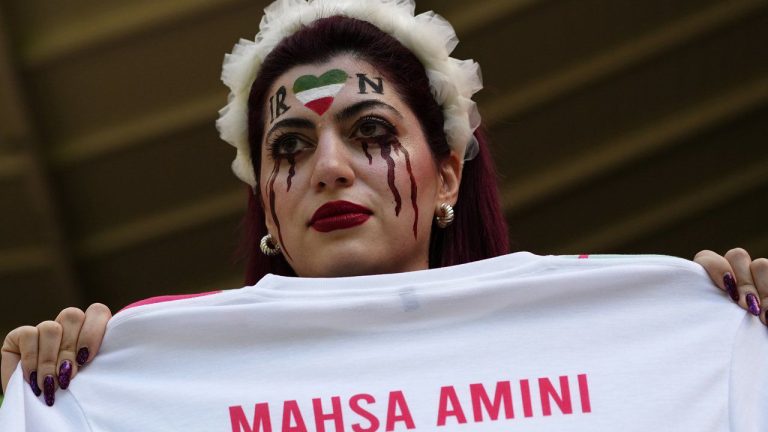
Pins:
x,y
65,372
48,389
33,383
730,286
754,304
82,356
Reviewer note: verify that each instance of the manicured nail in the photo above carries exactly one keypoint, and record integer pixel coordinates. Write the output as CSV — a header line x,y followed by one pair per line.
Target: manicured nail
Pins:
x,y
82,356
33,383
48,389
754,304
65,373
730,286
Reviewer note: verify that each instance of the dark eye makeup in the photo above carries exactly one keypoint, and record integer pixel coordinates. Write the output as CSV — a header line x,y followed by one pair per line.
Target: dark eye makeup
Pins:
x,y
283,143
368,125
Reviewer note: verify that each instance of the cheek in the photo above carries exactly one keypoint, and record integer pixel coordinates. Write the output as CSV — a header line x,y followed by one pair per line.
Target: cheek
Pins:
x,y
409,175
279,177
272,191
426,178
425,172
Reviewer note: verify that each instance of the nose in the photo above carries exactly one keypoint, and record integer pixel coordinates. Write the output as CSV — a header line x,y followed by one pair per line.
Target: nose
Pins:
x,y
333,164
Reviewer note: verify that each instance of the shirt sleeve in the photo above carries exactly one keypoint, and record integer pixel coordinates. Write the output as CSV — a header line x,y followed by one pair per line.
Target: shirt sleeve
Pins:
x,y
748,399
22,411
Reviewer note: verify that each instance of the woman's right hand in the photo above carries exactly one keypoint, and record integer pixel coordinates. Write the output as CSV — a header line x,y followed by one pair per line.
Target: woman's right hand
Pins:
x,y
51,352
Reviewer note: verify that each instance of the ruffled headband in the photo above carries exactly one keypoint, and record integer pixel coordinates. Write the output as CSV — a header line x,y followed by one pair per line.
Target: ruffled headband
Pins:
x,y
428,35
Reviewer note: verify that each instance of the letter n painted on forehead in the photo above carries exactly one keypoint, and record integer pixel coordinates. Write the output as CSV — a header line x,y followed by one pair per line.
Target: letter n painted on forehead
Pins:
x,y
363,82
318,93
277,106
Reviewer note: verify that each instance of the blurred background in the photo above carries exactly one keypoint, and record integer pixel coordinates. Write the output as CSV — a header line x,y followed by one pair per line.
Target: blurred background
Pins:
x,y
617,125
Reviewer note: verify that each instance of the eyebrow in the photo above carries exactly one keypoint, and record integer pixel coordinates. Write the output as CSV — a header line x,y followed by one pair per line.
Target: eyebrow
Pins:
x,y
296,123
345,114
355,109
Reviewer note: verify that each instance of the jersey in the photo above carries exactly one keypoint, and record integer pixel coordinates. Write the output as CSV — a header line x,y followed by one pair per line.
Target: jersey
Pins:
x,y
514,343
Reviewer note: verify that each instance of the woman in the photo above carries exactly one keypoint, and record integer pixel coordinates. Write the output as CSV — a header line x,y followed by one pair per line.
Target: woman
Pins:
x,y
364,141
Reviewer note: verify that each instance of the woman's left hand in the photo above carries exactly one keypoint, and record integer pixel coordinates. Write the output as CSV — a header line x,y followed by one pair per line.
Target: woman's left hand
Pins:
x,y
744,279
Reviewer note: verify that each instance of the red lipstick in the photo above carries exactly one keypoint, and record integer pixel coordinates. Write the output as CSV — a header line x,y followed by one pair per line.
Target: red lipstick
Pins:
x,y
336,215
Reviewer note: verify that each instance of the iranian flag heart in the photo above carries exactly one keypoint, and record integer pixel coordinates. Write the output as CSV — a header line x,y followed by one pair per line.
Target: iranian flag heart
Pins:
x,y
317,93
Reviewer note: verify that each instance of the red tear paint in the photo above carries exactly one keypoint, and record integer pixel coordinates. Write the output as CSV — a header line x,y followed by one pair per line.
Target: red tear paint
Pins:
x,y
386,149
387,144
399,146
291,171
368,155
271,187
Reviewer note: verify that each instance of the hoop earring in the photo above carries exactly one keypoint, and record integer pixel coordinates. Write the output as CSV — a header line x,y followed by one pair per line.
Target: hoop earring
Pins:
x,y
268,246
445,215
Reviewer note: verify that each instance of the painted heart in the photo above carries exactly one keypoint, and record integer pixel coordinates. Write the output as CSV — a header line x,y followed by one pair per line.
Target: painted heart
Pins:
x,y
317,93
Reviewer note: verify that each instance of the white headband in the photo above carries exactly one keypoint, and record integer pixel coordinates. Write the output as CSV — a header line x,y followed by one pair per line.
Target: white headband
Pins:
x,y
428,35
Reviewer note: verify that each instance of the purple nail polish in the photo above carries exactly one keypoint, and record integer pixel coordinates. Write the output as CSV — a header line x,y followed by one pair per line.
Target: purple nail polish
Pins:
x,y
65,373
48,389
33,383
730,286
754,304
82,356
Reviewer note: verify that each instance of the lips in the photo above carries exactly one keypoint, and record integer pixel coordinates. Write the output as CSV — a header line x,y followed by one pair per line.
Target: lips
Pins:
x,y
335,215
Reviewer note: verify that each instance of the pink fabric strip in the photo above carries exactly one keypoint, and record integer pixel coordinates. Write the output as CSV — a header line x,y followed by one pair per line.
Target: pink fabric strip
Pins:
x,y
167,298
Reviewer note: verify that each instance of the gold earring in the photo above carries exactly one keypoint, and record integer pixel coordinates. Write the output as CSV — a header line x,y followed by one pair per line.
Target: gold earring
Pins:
x,y
268,246
445,215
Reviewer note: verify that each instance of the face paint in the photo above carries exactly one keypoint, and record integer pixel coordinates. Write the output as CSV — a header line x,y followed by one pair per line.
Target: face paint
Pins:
x,y
363,81
378,87
271,188
317,93
277,106
386,145
291,171
365,150
413,186
355,136
385,154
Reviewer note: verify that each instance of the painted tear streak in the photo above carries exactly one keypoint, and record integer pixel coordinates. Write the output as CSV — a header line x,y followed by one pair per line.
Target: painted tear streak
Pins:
x,y
413,186
368,155
386,147
386,155
291,170
271,188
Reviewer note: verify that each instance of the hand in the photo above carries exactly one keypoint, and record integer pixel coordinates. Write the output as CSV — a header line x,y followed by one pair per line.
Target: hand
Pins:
x,y
51,353
744,279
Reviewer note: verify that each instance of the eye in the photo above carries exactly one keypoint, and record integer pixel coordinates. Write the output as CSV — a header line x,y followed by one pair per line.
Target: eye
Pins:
x,y
286,145
373,127
370,128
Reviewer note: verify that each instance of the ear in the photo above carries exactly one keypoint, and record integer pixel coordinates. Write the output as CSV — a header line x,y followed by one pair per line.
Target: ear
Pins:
x,y
450,170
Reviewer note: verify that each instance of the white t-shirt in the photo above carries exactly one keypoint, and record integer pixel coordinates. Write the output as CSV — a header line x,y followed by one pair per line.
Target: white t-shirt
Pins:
x,y
515,343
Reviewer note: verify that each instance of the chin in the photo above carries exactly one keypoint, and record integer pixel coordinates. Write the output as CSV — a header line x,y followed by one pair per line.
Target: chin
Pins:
x,y
346,267
358,255
355,264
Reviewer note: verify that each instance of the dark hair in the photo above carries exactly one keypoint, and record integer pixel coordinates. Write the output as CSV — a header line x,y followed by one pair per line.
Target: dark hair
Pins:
x,y
479,230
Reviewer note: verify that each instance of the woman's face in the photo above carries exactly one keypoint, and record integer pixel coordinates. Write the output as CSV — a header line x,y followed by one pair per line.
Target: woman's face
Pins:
x,y
348,182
